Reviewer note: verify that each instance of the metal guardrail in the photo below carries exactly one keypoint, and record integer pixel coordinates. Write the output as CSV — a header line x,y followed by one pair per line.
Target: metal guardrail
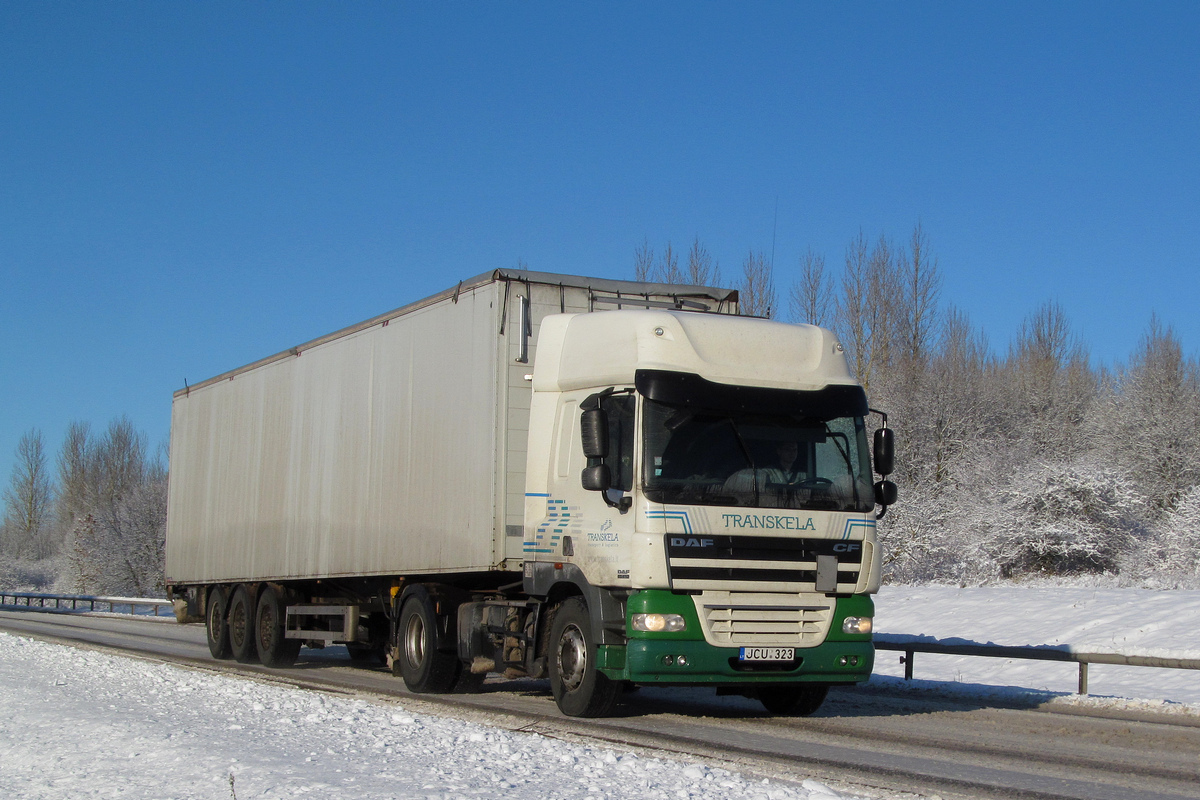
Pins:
x,y
956,647
76,602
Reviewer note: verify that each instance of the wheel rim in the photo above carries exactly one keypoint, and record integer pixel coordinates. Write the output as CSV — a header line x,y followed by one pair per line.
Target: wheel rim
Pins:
x,y
237,623
572,657
266,627
214,620
414,641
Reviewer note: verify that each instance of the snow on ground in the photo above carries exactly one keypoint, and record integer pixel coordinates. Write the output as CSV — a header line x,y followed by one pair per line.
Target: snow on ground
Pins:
x,y
1139,622
86,724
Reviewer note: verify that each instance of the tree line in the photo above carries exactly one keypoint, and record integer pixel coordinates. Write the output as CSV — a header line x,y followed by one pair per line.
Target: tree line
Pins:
x,y
94,522
1011,465
1028,462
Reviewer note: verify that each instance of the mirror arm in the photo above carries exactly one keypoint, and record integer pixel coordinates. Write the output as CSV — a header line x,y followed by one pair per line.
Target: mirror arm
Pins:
x,y
622,505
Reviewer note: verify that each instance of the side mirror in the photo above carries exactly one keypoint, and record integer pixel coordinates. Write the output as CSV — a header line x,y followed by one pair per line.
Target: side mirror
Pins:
x,y
885,493
885,451
597,478
593,430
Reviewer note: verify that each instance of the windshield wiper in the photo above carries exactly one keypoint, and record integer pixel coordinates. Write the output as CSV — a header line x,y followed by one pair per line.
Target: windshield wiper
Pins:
x,y
749,458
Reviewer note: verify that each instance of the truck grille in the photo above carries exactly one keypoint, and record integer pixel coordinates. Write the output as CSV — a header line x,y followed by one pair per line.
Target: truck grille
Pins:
x,y
735,619
770,563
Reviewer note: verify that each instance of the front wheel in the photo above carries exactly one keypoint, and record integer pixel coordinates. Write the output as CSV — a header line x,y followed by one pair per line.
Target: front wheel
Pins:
x,y
792,700
579,689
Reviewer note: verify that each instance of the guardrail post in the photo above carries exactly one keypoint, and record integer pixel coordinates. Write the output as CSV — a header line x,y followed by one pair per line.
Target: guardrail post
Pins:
x,y
907,659
1083,677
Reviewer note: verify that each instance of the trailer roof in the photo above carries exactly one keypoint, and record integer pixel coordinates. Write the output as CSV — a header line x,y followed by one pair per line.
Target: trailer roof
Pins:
x,y
617,288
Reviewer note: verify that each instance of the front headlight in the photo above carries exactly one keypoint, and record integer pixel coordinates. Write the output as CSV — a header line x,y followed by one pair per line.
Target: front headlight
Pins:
x,y
856,625
658,623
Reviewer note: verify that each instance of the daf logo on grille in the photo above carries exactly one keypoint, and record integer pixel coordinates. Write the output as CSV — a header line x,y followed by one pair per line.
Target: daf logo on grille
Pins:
x,y
680,541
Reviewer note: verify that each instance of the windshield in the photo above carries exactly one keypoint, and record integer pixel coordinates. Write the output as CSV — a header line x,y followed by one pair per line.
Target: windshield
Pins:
x,y
723,458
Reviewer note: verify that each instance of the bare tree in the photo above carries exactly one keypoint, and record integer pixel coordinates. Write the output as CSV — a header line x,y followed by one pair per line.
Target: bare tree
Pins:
x,y
1048,369
756,295
643,261
1155,424
811,297
667,270
701,269
76,475
854,326
919,286
28,499
885,301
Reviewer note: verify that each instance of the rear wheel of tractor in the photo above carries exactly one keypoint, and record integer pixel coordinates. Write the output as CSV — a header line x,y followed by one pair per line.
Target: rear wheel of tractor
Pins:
x,y
274,649
217,624
793,701
579,689
241,626
422,665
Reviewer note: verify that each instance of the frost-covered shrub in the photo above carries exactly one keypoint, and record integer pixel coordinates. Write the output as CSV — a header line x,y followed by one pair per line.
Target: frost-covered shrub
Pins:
x,y
27,576
1064,518
932,535
1170,558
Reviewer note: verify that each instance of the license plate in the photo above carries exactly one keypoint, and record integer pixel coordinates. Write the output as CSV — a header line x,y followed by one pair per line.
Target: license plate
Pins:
x,y
767,654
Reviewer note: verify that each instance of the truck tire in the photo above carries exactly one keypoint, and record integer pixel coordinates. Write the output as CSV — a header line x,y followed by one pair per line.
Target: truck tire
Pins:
x,y
579,689
792,700
241,626
216,622
423,666
270,619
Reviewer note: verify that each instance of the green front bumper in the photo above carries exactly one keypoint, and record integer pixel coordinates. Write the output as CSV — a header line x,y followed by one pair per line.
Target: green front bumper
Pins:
x,y
647,662
655,658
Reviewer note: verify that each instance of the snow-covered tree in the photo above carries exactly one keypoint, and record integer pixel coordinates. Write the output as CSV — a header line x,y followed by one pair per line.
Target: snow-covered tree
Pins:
x,y
28,500
1153,424
118,514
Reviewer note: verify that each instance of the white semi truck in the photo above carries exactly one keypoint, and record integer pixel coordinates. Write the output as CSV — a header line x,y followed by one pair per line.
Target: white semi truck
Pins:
x,y
605,483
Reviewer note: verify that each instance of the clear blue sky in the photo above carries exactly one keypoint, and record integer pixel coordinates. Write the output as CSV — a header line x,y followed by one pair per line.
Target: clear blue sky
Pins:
x,y
186,187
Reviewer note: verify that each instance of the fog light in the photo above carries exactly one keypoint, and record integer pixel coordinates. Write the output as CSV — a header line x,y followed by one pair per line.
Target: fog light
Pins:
x,y
856,625
848,661
658,623
682,661
668,660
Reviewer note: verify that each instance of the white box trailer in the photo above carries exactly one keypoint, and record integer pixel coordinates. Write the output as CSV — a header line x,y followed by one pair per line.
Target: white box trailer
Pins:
x,y
606,483
393,447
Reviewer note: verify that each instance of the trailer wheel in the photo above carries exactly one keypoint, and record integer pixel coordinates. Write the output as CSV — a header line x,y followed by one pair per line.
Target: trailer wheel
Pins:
x,y
579,689
216,624
274,649
241,626
422,665
795,701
